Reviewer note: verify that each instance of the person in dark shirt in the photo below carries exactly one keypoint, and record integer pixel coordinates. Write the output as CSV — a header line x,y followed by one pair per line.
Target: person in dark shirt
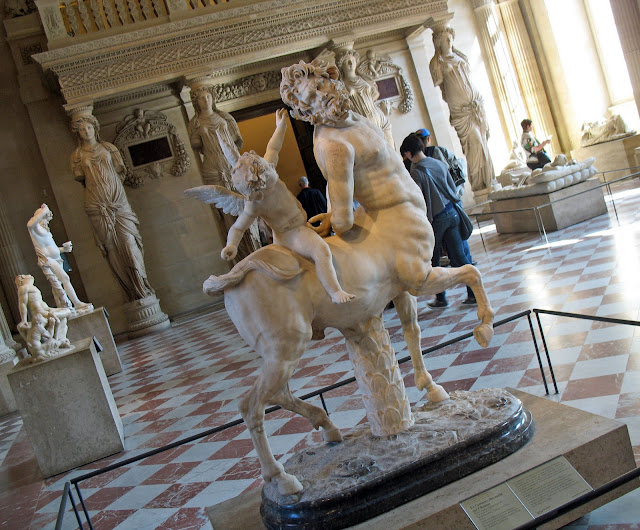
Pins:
x,y
311,199
439,191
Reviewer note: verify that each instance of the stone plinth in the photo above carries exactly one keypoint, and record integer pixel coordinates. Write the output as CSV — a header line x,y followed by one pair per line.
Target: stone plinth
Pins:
x,y
95,324
145,316
599,449
565,213
68,410
616,154
7,401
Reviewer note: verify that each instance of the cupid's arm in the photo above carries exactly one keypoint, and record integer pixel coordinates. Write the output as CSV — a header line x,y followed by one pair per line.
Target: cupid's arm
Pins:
x,y
237,230
336,161
275,144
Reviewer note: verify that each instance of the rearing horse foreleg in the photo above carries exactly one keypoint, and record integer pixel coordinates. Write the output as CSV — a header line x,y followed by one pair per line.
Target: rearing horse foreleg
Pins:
x,y
407,308
440,279
275,373
317,416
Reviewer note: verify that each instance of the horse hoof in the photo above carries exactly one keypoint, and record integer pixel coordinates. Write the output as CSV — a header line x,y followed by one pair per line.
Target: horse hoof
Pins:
x,y
332,435
436,394
483,334
288,484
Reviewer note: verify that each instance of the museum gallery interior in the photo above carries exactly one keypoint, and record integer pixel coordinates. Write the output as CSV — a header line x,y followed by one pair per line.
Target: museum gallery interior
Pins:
x,y
180,348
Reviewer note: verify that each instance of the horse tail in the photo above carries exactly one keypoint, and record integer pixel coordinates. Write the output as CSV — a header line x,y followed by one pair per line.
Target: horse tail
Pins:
x,y
286,267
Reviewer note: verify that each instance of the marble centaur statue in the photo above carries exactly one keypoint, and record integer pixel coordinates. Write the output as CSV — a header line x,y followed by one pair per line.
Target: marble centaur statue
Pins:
x,y
43,328
265,195
50,261
449,70
382,251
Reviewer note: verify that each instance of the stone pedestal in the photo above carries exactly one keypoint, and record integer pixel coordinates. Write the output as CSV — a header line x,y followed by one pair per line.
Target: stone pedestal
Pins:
x,y
616,154
7,401
145,316
68,409
565,213
95,324
598,448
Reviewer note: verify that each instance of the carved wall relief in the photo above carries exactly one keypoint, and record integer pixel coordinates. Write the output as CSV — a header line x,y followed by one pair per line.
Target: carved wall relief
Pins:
x,y
150,146
246,86
395,91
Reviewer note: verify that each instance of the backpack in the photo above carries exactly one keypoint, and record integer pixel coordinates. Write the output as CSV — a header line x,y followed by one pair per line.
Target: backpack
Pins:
x,y
455,168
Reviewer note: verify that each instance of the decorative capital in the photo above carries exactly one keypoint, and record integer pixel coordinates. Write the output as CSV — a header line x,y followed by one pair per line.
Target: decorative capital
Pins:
x,y
79,111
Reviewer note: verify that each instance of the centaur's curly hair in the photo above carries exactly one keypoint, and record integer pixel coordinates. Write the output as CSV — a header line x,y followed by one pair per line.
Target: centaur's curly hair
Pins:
x,y
292,75
249,175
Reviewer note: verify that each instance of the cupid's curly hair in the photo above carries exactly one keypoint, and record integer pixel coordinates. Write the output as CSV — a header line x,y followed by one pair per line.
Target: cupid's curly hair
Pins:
x,y
293,75
76,122
248,174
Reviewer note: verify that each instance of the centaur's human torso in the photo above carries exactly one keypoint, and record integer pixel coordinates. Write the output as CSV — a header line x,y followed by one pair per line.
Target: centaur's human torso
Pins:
x,y
358,163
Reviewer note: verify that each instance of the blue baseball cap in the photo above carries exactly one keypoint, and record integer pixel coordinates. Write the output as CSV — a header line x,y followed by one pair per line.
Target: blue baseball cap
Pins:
x,y
423,133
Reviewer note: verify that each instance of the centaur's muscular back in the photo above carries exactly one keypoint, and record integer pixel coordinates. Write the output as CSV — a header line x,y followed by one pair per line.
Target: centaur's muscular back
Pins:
x,y
358,163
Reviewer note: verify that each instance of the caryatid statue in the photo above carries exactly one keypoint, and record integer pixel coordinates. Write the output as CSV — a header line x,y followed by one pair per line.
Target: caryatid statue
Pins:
x,y
449,69
213,133
50,261
99,167
363,92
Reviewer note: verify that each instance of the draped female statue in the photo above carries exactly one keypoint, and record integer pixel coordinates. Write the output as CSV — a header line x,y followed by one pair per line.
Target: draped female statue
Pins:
x,y
449,69
99,167
363,93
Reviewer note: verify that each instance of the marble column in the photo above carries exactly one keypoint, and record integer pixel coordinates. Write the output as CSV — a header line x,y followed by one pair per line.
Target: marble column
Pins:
x,y
527,72
11,262
626,13
8,359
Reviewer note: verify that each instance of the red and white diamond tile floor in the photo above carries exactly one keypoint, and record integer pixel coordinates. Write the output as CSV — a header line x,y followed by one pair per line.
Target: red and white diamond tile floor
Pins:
x,y
188,379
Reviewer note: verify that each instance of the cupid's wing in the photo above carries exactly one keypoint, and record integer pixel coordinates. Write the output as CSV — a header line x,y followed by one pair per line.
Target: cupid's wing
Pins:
x,y
229,201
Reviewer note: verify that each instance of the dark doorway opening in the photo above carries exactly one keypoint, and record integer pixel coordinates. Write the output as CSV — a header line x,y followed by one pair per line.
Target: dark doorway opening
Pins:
x,y
303,132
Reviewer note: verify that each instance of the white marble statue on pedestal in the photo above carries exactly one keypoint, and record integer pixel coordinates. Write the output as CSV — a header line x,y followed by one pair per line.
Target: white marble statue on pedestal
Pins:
x,y
382,251
43,328
449,69
50,261
604,130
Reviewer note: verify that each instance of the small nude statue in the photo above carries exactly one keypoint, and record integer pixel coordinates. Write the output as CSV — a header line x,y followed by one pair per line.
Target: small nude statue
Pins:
x,y
50,261
46,332
266,196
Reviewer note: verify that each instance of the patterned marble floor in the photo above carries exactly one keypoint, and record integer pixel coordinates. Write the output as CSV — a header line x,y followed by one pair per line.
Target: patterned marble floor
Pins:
x,y
188,379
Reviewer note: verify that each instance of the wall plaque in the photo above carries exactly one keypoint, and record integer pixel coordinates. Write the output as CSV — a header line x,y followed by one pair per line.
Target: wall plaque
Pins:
x,y
150,147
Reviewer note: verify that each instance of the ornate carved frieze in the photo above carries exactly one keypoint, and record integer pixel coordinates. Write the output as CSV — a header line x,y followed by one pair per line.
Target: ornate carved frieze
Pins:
x,y
150,146
247,86
163,53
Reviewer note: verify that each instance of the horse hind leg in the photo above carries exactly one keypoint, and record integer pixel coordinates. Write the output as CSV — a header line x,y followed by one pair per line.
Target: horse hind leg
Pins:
x,y
440,279
317,416
275,374
407,308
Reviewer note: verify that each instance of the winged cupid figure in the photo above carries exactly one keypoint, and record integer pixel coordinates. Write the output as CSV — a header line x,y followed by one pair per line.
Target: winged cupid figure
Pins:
x,y
265,195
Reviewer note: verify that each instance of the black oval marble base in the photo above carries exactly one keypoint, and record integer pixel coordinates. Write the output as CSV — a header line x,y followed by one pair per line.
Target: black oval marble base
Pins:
x,y
364,476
